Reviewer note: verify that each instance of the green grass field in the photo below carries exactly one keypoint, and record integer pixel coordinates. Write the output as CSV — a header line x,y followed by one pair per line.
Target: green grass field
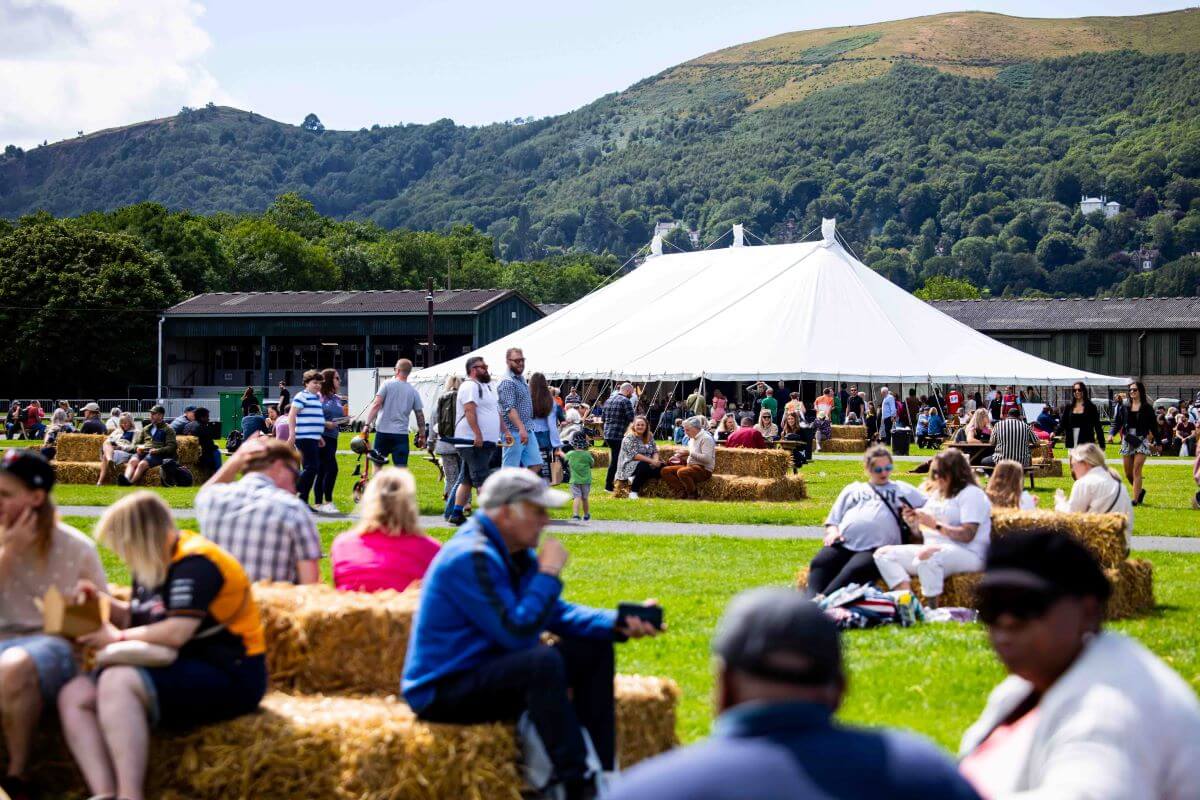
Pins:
x,y
1167,511
932,679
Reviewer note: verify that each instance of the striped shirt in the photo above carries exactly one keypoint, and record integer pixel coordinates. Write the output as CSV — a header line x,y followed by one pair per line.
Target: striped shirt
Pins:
x,y
265,528
310,418
1012,438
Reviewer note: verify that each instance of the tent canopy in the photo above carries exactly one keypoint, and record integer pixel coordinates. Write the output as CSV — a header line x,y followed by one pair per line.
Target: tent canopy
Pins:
x,y
806,311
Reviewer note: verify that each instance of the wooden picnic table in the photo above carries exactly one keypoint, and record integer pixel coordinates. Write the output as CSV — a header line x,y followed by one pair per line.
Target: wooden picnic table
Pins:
x,y
974,451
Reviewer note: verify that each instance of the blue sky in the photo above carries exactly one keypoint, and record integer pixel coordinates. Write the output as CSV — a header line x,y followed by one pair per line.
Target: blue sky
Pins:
x,y
69,65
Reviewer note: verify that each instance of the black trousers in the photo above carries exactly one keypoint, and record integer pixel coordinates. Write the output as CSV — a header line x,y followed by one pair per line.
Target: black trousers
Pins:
x,y
561,687
614,451
642,473
838,566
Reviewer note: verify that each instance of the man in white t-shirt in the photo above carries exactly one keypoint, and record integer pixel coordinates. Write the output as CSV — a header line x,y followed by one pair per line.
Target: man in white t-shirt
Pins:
x,y
476,433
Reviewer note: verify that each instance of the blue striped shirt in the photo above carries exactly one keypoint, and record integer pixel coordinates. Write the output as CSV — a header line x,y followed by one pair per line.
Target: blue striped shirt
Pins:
x,y
310,419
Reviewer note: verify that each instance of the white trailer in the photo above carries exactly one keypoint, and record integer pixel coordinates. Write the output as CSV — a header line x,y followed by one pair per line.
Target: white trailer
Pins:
x,y
362,384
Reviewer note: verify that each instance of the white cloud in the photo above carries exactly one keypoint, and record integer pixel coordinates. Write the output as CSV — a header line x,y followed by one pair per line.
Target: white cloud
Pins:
x,y
70,65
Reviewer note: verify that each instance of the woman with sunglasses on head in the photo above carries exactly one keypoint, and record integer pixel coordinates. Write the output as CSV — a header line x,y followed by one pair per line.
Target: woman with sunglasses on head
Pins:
x,y
865,516
1080,421
766,426
1083,714
1136,425
957,527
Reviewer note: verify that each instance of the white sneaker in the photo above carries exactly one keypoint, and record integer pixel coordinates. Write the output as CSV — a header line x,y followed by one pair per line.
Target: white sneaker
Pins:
x,y
328,508
633,496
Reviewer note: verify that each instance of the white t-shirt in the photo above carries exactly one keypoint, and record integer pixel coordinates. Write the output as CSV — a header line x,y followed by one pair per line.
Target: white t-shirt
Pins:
x,y
971,505
487,411
864,520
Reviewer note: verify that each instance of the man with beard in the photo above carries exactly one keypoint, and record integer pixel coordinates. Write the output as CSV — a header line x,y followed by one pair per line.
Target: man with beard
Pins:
x,y
476,432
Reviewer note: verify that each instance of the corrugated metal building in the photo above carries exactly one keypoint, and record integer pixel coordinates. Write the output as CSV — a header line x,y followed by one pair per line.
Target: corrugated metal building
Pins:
x,y
1154,338
229,339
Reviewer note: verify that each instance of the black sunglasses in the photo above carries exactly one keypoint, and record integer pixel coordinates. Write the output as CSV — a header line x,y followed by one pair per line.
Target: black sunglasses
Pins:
x,y
1023,604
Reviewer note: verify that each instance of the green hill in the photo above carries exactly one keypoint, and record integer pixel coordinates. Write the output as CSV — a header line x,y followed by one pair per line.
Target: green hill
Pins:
x,y
955,145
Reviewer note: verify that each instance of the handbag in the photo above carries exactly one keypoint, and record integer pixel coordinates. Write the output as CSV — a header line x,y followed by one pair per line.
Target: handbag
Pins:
x,y
907,534
556,472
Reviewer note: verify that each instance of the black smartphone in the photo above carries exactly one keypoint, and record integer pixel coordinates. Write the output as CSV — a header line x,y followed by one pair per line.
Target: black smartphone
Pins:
x,y
651,614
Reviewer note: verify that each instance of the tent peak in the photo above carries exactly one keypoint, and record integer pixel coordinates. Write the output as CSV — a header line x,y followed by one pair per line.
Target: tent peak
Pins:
x,y
828,232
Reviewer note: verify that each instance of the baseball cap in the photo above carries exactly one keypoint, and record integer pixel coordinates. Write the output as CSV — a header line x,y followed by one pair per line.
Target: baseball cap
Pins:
x,y
92,407
1026,572
509,485
189,408
158,410
779,635
29,467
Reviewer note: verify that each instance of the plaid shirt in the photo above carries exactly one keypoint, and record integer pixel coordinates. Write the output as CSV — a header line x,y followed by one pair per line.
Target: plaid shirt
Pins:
x,y
514,393
265,528
618,413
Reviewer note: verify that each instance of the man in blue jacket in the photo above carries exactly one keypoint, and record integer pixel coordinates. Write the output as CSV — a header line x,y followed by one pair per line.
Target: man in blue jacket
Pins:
x,y
779,681
476,655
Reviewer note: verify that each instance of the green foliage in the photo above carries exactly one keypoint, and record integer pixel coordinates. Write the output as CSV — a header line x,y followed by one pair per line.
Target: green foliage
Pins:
x,y
940,287
1180,278
78,307
828,52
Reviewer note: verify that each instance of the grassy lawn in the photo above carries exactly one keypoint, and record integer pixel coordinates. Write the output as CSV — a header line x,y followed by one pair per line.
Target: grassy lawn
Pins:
x,y
1167,511
932,679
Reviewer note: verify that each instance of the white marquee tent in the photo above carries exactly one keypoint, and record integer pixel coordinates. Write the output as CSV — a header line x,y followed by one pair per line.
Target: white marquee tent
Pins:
x,y
807,311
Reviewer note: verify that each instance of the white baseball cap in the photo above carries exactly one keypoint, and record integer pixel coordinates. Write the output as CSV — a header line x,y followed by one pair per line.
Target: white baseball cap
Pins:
x,y
509,485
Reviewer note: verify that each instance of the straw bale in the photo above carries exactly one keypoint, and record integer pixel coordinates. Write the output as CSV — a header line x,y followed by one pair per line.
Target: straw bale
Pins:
x,y
187,450
88,472
730,488
79,446
856,433
645,717
1103,534
600,458
744,461
1047,468
843,446
1133,589
1041,451
320,640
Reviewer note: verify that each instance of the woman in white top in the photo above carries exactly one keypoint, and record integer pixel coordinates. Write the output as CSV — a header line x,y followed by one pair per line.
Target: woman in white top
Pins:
x,y
957,525
1097,489
1083,714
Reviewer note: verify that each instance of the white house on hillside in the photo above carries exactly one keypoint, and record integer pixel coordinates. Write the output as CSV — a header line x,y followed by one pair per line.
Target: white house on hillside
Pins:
x,y
1089,205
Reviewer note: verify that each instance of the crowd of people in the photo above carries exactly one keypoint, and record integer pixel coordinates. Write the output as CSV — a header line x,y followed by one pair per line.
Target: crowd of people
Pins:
x,y
1084,713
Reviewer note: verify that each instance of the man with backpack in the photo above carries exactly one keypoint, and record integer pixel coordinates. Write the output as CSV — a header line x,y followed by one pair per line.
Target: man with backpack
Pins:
x,y
476,433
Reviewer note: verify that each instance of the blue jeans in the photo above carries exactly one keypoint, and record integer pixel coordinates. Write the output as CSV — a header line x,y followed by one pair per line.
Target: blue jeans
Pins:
x,y
52,660
328,471
394,445
561,687
310,457
523,455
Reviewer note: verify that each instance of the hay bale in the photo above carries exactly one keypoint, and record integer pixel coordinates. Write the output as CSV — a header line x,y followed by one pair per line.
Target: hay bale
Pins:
x,y
1133,589
600,458
856,433
79,446
621,490
843,446
732,488
320,640
1042,451
645,717
88,472
1103,534
187,450
1047,468
747,462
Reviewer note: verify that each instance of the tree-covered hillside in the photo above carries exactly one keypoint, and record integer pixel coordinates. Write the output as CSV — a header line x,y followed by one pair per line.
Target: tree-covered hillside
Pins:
x,y
974,176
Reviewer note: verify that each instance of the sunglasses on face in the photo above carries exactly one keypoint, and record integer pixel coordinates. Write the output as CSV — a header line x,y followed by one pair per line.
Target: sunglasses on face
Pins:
x,y
883,469
517,360
1024,605
1078,390
1133,391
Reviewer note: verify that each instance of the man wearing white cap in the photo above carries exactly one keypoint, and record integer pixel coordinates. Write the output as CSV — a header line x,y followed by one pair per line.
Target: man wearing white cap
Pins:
x,y
91,419
475,654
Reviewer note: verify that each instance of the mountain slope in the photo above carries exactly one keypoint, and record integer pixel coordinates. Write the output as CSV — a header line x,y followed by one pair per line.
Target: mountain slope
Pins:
x,y
966,122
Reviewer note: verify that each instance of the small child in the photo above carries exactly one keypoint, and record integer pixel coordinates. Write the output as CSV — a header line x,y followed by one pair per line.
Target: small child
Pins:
x,y
580,462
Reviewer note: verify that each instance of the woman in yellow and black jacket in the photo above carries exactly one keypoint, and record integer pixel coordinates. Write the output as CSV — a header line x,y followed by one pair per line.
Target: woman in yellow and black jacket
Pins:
x,y
191,601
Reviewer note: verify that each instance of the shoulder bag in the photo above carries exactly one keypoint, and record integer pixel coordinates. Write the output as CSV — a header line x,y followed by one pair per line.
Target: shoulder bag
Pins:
x,y
907,534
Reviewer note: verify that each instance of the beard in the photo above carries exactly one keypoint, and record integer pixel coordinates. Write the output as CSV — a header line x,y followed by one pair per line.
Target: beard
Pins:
x,y
484,377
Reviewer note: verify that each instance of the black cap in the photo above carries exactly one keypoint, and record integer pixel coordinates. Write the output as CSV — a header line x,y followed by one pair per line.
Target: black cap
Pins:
x,y
158,410
779,635
1044,563
29,467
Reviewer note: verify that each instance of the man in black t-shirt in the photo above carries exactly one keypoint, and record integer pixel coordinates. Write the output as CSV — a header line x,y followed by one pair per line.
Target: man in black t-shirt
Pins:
x,y
91,420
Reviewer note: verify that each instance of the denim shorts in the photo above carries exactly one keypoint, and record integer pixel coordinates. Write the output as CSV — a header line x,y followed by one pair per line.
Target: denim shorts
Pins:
x,y
523,455
52,658
189,692
476,464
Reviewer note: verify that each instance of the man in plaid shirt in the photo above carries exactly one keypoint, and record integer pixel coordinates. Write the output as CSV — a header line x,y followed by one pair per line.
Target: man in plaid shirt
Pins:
x,y
516,412
259,519
618,413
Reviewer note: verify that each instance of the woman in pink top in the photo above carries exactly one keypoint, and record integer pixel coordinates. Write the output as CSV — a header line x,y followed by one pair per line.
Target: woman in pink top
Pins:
x,y
386,549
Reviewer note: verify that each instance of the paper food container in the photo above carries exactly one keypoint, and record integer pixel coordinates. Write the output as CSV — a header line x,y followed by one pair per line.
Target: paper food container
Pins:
x,y
63,618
